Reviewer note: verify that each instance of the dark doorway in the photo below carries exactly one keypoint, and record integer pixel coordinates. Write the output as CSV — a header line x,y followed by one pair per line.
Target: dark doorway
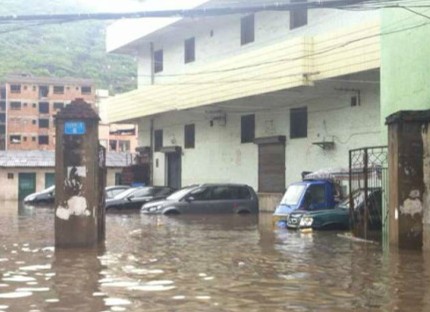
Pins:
x,y
173,165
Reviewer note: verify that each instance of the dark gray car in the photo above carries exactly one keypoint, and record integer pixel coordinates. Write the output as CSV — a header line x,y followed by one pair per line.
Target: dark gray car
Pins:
x,y
207,198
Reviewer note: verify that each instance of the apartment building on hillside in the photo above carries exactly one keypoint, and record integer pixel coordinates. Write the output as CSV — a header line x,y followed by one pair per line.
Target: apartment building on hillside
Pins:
x,y
256,97
29,104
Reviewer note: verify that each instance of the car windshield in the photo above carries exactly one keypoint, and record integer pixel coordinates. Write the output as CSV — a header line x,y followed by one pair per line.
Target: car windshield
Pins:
x,y
147,191
293,194
125,194
179,194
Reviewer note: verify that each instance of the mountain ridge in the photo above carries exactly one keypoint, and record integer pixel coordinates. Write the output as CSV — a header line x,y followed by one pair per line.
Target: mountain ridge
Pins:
x,y
73,49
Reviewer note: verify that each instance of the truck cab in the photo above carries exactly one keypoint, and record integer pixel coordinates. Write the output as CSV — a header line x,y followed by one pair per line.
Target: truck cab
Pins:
x,y
308,195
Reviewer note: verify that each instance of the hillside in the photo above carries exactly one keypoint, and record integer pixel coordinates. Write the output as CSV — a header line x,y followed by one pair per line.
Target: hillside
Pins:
x,y
61,49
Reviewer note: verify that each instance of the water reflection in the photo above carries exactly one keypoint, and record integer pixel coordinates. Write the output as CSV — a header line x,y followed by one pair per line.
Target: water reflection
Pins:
x,y
201,263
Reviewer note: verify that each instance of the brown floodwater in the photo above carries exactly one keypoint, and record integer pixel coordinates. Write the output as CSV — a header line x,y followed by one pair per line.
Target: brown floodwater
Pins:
x,y
202,263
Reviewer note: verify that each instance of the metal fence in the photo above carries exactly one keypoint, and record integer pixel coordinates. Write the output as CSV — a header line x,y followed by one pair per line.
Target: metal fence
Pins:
x,y
368,189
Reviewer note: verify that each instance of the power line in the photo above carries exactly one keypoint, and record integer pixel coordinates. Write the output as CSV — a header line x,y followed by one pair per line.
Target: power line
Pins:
x,y
199,12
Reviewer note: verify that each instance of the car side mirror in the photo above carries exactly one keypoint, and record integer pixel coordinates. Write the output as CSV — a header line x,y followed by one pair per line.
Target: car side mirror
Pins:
x,y
129,198
189,199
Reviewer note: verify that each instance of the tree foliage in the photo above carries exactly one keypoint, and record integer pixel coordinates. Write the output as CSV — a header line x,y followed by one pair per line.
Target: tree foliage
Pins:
x,y
60,48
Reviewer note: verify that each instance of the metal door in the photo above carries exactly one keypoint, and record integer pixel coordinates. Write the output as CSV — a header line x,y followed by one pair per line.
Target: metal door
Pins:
x,y
26,184
49,179
271,168
174,170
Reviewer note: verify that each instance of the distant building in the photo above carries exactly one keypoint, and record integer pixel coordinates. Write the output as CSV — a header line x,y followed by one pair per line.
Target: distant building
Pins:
x,y
26,172
114,137
28,105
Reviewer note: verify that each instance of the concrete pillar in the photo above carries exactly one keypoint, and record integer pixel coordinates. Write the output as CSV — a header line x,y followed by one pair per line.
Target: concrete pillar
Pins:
x,y
80,178
409,208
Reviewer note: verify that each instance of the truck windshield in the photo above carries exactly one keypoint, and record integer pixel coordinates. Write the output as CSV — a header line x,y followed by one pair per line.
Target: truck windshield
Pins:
x,y
293,194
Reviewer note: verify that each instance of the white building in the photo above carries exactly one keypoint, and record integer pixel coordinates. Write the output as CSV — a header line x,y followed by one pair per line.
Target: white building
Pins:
x,y
251,98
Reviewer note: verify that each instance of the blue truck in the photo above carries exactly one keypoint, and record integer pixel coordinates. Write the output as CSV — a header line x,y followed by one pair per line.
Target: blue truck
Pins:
x,y
314,203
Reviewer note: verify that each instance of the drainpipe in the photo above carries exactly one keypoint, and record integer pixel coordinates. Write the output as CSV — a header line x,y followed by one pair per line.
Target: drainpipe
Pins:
x,y
151,52
151,152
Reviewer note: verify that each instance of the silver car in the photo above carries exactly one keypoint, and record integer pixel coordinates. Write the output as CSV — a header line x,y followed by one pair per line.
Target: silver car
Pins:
x,y
207,198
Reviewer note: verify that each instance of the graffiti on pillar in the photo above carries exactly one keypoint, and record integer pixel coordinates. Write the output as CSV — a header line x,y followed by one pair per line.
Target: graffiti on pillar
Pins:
x,y
76,205
412,205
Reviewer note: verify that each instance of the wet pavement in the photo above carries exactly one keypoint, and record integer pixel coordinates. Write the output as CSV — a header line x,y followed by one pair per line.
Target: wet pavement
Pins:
x,y
202,263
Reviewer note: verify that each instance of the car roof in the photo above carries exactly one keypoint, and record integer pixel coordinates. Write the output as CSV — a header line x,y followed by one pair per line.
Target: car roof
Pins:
x,y
216,184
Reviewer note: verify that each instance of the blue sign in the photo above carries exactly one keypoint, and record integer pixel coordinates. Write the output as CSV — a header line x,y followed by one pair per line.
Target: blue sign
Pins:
x,y
74,127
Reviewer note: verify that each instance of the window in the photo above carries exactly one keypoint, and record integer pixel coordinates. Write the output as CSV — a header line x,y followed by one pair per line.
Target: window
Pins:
x,y
15,88
15,139
86,90
112,145
58,106
15,105
124,145
33,121
34,105
355,100
33,138
203,193
3,105
314,197
43,123
298,15
43,91
58,89
247,29
190,48
158,61
43,140
247,128
10,176
158,140
118,178
2,129
189,135
44,107
299,122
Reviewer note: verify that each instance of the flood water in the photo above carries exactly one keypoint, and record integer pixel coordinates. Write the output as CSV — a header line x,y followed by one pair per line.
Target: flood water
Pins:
x,y
202,263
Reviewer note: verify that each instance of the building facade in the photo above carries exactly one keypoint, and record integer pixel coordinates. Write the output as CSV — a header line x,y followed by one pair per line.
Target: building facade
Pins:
x,y
28,106
251,98
26,172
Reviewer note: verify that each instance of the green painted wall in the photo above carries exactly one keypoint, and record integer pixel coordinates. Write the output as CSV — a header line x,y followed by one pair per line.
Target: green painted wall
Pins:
x,y
405,61
405,66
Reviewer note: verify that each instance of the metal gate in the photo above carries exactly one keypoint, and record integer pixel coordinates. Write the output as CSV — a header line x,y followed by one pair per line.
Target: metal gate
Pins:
x,y
368,189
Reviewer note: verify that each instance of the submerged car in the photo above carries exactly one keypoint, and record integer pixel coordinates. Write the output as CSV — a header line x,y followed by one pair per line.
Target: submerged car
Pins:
x,y
47,196
207,198
135,197
112,191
